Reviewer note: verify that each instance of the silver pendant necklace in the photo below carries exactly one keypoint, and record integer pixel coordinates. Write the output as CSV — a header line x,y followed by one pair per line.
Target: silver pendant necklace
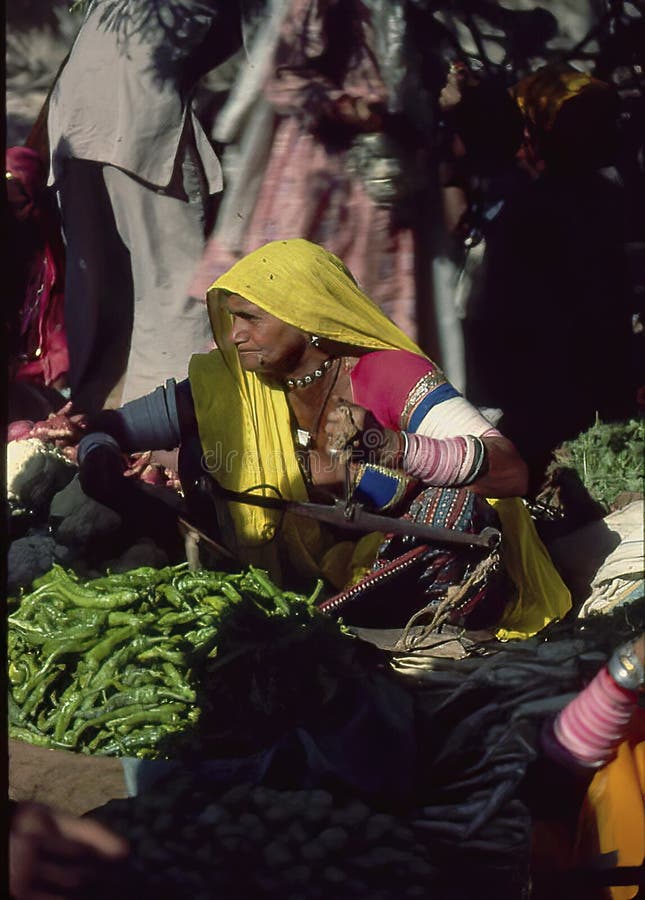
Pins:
x,y
304,439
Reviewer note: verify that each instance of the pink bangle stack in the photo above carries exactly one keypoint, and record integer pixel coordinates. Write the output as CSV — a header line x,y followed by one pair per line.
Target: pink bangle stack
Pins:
x,y
443,461
592,725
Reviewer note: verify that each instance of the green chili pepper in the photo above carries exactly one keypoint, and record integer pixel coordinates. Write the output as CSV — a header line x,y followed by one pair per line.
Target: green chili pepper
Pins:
x,y
38,691
146,695
172,673
64,647
90,664
217,603
269,589
73,640
170,594
66,712
128,716
230,592
202,636
119,617
21,690
15,713
18,671
98,678
80,596
29,632
173,656
31,736
127,744
170,714
187,583
55,574
177,618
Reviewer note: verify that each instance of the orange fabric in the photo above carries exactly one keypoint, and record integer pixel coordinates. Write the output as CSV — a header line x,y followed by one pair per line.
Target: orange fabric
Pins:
x,y
612,820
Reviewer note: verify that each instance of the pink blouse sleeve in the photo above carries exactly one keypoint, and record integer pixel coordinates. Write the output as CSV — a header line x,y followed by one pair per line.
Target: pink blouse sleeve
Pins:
x,y
408,392
383,380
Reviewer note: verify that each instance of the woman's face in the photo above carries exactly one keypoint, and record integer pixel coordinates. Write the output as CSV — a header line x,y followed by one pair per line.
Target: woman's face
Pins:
x,y
264,343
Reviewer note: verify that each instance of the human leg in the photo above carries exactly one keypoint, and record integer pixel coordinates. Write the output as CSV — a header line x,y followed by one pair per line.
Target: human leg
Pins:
x,y
98,287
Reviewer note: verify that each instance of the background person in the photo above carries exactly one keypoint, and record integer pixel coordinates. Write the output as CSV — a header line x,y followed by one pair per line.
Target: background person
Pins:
x,y
551,333
345,158
134,171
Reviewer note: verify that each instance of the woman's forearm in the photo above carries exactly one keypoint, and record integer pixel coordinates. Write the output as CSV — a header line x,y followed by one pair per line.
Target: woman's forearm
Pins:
x,y
490,465
587,732
154,422
506,474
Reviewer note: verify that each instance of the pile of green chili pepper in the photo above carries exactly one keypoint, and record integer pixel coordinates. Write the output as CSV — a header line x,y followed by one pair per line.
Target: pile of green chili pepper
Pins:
x,y
126,664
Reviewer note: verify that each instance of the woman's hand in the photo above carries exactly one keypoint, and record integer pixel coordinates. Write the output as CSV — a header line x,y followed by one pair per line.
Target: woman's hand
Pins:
x,y
53,854
451,93
353,431
62,427
358,113
506,473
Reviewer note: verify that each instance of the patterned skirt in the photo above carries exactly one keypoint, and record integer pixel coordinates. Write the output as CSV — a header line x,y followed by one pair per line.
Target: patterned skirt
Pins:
x,y
432,584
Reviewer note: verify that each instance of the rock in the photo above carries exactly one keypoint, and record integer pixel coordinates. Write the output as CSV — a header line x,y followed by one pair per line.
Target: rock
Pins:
x,y
68,501
85,524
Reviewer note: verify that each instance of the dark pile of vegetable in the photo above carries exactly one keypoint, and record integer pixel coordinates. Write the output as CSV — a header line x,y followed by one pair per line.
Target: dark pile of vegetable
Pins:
x,y
261,842
167,662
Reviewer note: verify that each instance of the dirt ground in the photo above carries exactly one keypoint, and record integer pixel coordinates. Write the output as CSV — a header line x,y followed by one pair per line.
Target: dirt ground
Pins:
x,y
69,781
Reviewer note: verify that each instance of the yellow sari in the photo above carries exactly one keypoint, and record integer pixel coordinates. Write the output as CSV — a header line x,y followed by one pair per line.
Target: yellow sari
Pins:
x,y
244,421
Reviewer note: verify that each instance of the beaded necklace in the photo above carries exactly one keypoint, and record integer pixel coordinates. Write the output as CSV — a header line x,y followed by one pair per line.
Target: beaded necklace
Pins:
x,y
296,383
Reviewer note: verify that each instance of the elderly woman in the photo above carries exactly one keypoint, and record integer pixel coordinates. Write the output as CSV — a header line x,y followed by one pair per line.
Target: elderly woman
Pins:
x,y
314,394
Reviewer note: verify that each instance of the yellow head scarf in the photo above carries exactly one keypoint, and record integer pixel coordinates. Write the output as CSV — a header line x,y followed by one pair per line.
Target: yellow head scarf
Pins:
x,y
244,421
541,95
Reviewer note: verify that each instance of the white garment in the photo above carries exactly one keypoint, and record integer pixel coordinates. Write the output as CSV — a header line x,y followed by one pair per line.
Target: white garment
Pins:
x,y
133,168
246,124
168,325
123,96
620,578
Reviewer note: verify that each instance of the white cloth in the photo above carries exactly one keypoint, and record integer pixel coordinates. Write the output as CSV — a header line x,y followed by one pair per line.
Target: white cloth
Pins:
x,y
123,96
169,325
447,321
620,578
454,417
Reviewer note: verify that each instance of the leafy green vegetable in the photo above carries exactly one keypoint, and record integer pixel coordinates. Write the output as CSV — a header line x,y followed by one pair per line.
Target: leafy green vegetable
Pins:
x,y
608,458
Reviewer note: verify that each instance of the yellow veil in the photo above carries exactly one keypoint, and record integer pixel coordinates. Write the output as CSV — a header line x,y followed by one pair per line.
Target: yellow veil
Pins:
x,y
244,421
